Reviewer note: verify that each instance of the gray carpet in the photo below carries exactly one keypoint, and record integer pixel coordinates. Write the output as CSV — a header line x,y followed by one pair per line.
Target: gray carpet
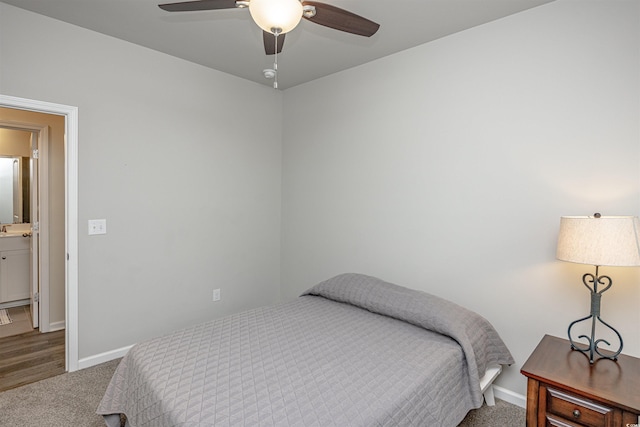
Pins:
x,y
70,400
503,414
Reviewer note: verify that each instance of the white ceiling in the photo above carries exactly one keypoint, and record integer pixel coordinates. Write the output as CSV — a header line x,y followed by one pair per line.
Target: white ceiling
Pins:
x,y
229,41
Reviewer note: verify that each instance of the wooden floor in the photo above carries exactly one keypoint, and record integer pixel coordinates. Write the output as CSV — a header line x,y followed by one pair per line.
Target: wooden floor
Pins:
x,y
30,357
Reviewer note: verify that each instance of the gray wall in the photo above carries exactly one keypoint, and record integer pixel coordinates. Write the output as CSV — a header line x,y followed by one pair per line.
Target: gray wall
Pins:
x,y
190,191
447,167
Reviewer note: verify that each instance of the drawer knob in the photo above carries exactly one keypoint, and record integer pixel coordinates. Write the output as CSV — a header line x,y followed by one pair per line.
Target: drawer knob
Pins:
x,y
576,413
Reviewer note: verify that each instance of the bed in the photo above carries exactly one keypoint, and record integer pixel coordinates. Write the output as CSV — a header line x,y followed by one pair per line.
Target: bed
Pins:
x,y
351,351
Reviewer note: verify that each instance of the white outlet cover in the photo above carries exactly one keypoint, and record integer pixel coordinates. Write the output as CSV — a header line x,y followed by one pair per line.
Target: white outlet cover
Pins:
x,y
97,226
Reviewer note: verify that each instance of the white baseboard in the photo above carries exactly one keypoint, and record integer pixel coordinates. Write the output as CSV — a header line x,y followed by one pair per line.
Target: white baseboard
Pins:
x,y
15,303
57,326
510,396
107,356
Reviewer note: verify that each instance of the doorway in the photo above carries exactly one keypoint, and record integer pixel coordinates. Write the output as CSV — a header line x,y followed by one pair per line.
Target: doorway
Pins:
x,y
24,277
70,233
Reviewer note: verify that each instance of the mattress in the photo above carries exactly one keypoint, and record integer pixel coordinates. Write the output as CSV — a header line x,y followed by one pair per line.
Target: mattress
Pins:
x,y
351,351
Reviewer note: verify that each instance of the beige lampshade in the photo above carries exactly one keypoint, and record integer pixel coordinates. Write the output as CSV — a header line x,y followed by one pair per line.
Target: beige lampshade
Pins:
x,y
604,241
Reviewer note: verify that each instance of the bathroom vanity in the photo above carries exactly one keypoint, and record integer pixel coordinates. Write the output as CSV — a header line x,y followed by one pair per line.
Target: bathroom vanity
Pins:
x,y
14,267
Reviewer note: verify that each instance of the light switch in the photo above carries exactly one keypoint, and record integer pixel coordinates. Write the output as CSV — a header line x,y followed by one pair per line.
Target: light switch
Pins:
x,y
97,226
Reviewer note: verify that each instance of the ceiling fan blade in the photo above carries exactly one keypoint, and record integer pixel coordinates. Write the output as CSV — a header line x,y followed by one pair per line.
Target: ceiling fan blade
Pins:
x,y
189,6
340,19
270,43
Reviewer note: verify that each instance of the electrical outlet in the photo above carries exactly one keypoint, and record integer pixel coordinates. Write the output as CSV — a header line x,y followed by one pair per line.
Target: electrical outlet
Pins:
x,y
216,294
97,226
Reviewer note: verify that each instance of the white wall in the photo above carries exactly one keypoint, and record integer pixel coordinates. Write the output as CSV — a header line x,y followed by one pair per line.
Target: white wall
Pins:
x,y
190,192
447,167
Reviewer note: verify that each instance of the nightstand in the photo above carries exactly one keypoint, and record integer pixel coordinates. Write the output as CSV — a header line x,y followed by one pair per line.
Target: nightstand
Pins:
x,y
564,390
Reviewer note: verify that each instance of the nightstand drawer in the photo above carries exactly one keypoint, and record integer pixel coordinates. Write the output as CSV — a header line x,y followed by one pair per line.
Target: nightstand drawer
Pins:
x,y
578,409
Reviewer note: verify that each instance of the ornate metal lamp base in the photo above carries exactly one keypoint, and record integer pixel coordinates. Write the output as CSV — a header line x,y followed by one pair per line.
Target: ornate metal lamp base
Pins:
x,y
592,349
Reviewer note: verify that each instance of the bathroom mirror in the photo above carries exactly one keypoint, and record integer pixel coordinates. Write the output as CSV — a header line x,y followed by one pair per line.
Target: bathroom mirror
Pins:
x,y
14,190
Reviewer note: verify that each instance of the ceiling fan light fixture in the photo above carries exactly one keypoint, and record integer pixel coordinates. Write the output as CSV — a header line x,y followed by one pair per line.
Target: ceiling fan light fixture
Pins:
x,y
282,15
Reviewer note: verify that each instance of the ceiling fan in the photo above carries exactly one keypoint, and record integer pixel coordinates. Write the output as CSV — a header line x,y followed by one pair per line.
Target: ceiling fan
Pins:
x,y
277,17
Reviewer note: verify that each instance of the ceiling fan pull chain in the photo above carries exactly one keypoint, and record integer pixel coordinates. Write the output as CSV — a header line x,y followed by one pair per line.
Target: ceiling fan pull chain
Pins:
x,y
275,63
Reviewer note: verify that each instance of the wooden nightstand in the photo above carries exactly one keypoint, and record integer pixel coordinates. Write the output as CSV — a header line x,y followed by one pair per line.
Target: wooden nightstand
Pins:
x,y
563,389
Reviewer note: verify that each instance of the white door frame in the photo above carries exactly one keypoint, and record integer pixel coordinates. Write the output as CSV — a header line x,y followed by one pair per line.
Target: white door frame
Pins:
x,y
71,214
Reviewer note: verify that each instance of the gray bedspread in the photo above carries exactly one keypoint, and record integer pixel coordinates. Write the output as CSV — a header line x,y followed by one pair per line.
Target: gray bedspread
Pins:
x,y
351,351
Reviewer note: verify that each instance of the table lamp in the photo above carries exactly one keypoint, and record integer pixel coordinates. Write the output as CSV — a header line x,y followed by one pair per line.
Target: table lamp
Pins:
x,y
600,241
